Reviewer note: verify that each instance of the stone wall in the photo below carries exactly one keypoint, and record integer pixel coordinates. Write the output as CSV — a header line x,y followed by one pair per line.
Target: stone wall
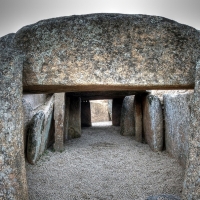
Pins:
x,y
13,183
177,125
99,111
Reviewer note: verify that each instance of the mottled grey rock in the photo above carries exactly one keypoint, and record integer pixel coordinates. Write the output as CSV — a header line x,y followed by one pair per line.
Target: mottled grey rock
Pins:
x,y
85,114
177,125
12,163
74,127
59,117
116,111
127,117
108,51
99,111
34,137
153,122
191,187
163,197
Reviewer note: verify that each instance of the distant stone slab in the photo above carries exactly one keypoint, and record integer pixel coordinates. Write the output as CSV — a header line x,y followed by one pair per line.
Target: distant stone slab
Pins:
x,y
108,52
163,197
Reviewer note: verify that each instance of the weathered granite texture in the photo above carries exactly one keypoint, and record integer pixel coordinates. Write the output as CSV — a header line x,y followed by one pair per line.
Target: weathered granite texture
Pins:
x,y
116,111
74,127
12,163
137,106
191,187
59,117
85,114
108,52
153,122
34,137
99,111
163,197
177,125
33,105
127,117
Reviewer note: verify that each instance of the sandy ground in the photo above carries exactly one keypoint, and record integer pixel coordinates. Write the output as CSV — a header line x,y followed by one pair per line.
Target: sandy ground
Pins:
x,y
103,165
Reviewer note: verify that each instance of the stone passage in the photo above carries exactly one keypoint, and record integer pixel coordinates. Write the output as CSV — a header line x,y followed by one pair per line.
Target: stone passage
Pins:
x,y
98,52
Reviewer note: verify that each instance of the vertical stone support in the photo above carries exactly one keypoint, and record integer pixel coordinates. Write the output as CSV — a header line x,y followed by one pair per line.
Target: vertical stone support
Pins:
x,y
191,187
116,111
74,127
59,117
85,114
127,117
153,122
177,125
13,183
138,117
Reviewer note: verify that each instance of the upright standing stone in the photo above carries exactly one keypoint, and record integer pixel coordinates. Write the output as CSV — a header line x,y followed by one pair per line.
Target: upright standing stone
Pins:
x,y
85,114
127,117
12,163
177,125
153,122
116,111
74,129
191,188
59,117
138,117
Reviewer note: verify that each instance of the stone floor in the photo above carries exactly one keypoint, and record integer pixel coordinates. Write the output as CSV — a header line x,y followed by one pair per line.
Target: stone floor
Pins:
x,y
103,165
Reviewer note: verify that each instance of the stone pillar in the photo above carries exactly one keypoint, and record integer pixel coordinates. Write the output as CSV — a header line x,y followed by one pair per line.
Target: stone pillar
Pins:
x,y
177,125
191,187
59,117
153,122
85,114
138,117
127,117
116,111
74,129
13,183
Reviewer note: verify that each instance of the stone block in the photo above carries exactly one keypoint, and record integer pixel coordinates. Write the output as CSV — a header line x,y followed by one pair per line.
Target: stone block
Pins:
x,y
177,125
163,197
99,111
116,111
34,137
85,114
153,122
127,117
74,127
191,186
59,117
13,183
108,51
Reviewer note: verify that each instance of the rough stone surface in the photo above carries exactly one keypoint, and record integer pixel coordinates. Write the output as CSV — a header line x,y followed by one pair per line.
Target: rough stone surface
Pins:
x,y
153,122
116,111
137,105
99,111
163,197
12,163
34,137
59,117
177,125
74,127
127,117
85,114
104,51
191,188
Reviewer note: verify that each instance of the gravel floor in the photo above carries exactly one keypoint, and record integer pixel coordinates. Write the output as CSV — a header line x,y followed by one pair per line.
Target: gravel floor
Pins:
x,y
103,165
